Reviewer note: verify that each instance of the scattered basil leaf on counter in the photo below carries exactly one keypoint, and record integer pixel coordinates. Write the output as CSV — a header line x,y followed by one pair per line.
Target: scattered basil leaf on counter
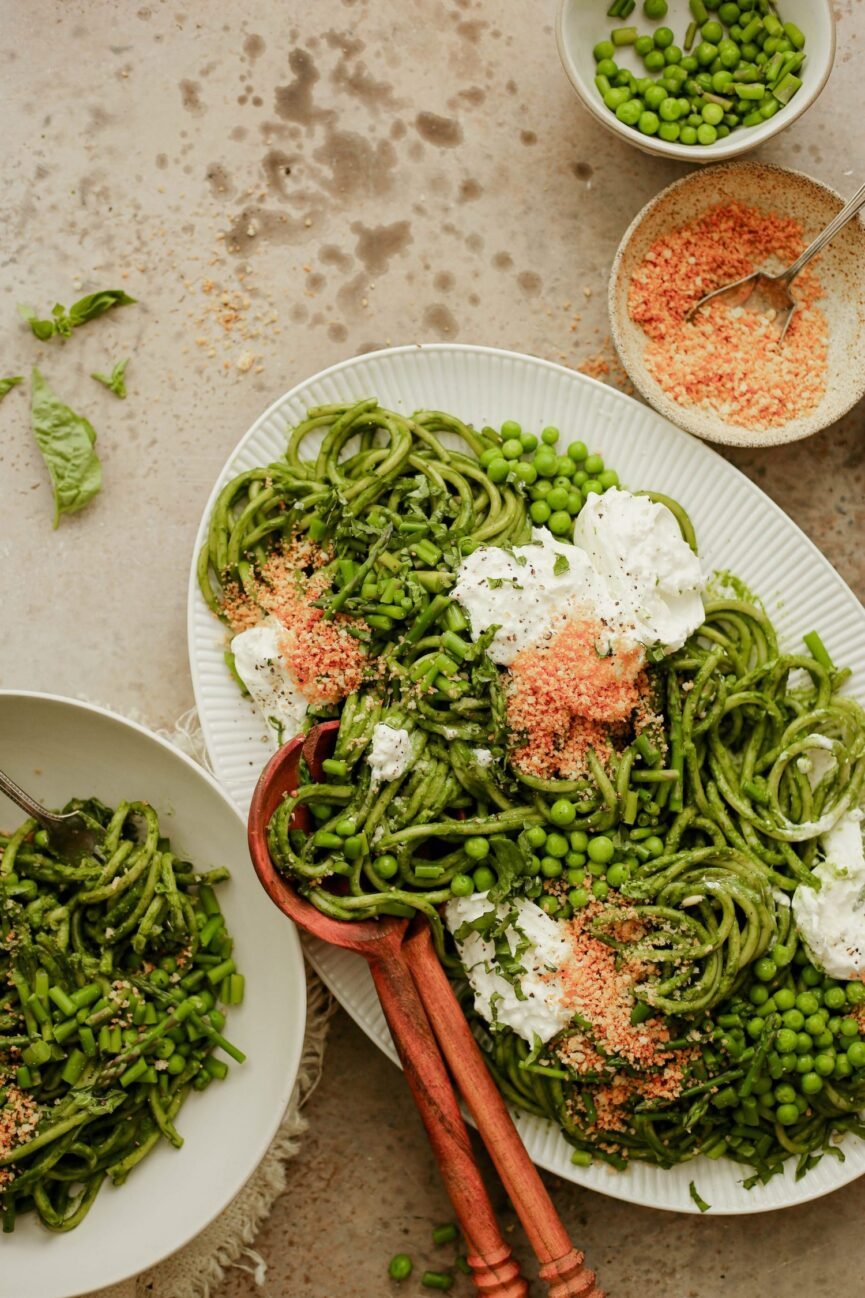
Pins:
x,y
86,308
6,385
66,442
115,381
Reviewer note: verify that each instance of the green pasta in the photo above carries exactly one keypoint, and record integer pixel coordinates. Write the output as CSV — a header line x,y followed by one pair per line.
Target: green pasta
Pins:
x,y
695,826
110,971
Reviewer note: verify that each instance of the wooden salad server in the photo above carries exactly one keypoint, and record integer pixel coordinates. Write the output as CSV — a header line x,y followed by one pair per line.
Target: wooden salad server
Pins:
x,y
495,1272
429,999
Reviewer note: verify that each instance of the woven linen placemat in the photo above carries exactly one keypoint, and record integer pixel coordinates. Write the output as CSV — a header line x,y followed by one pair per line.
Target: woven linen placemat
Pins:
x,y
196,1270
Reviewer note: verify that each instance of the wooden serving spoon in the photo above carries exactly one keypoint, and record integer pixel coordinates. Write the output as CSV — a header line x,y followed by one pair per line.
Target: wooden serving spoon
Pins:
x,y
407,977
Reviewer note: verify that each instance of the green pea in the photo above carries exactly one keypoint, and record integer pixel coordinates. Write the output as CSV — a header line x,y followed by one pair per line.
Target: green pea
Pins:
x,y
655,9
578,451
687,135
551,868
539,512
618,874
706,134
536,836
729,14
557,845
606,68
785,1041
766,969
498,470
462,885
643,45
545,461
580,478
705,53
785,999
754,1029
834,998
386,866
560,522
549,904
484,878
563,812
814,1024
526,472
712,32
629,112
601,849
565,468
811,1083
807,1002
575,502
805,1064
528,441
673,56
758,995
855,993
655,60
803,1043
603,50
594,465
843,1067
787,1114
654,845
654,97
579,840
712,113
400,1267
824,1065
558,498
664,37
669,110
512,449
550,435
592,487
477,848
487,457
794,1019
785,1094
601,889
856,1054
510,428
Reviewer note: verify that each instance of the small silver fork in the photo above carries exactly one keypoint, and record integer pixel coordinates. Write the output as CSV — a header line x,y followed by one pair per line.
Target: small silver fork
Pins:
x,y
71,836
772,292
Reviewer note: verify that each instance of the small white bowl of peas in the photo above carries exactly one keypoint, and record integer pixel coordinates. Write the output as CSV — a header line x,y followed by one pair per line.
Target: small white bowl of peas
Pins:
x,y
697,80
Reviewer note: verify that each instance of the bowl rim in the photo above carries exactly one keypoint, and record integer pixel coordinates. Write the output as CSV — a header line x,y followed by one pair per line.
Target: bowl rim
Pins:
x,y
665,406
120,1273
697,153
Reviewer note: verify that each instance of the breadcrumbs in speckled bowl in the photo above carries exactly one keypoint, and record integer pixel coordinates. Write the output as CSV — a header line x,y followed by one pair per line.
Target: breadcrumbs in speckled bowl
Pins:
x,y
722,376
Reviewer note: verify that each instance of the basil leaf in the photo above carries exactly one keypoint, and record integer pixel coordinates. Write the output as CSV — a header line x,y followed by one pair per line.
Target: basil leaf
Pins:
x,y
86,308
115,381
66,442
6,385
96,304
43,329
561,566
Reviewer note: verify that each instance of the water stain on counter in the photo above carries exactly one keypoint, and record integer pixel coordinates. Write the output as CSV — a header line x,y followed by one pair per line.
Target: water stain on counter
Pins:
x,y
254,47
221,184
443,132
331,255
277,166
356,165
530,282
438,319
294,101
377,244
190,97
469,190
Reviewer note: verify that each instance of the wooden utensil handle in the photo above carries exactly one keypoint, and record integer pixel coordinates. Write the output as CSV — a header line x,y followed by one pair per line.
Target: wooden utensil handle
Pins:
x,y
562,1267
496,1273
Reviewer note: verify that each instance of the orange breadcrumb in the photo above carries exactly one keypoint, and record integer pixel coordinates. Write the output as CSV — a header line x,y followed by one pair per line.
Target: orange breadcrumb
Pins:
x,y
566,693
727,358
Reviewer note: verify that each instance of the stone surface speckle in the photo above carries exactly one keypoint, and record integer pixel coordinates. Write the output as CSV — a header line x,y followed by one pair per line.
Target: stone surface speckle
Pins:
x,y
282,186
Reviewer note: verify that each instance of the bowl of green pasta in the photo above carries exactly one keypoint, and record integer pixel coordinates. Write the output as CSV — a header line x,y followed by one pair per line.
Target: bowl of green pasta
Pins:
x,y
152,1010
612,750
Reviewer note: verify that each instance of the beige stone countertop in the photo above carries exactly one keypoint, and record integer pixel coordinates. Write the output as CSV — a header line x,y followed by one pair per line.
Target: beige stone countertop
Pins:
x,y
282,186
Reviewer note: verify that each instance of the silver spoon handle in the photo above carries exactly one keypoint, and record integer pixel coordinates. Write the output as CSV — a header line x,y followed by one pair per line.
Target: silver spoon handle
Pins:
x,y
24,801
848,211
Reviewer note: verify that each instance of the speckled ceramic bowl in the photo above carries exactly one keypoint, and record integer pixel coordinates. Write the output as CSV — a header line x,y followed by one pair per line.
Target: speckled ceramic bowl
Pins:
x,y
582,23
841,269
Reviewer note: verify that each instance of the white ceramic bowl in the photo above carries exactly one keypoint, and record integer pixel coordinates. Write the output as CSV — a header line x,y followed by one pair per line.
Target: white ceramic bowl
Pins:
x,y
58,749
581,24
840,268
